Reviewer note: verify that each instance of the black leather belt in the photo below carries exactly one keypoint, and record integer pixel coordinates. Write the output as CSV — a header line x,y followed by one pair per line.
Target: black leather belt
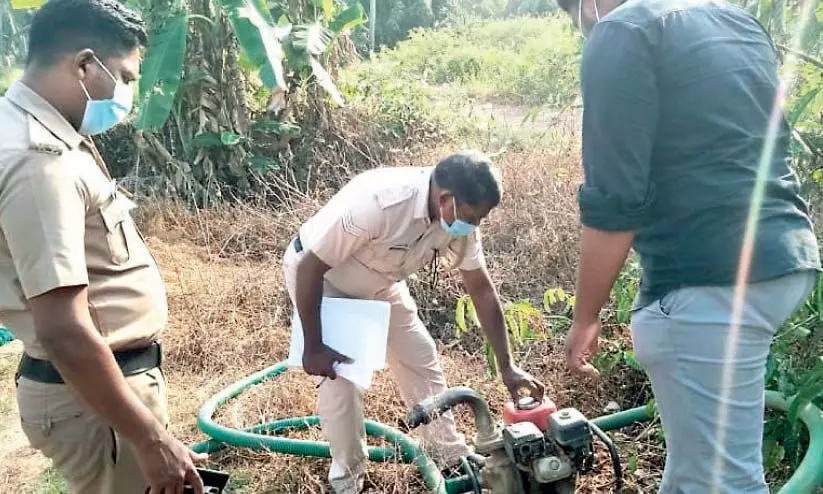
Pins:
x,y
298,245
131,362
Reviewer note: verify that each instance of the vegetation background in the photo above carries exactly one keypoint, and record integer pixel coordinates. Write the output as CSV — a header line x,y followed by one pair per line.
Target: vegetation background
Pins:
x,y
250,114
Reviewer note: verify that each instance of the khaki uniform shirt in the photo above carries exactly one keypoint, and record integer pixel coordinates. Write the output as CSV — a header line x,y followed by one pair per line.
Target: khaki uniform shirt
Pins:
x,y
376,232
63,223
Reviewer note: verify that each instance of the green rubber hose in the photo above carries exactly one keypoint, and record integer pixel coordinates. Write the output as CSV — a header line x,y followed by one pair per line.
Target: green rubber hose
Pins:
x,y
253,438
806,480
809,474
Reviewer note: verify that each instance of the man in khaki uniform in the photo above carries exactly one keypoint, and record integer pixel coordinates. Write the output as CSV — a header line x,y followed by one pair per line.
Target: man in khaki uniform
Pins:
x,y
380,228
78,285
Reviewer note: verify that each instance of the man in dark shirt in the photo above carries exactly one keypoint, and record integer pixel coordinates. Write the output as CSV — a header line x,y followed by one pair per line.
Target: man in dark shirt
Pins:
x,y
686,158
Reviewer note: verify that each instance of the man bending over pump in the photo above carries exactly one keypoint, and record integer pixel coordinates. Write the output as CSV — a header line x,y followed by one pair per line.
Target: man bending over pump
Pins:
x,y
377,230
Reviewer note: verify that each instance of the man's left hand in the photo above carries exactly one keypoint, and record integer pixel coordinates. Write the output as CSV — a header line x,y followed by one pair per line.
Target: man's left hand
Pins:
x,y
516,379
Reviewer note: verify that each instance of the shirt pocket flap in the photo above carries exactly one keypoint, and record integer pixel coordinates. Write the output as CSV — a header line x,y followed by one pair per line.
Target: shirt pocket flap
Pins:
x,y
116,217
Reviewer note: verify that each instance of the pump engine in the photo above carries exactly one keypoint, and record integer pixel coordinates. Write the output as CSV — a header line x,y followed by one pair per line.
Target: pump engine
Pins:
x,y
537,450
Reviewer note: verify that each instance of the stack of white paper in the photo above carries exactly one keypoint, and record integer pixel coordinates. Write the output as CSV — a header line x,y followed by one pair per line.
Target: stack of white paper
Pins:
x,y
358,329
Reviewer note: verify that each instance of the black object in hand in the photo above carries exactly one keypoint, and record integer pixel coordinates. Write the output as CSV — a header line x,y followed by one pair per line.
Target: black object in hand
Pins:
x,y
213,481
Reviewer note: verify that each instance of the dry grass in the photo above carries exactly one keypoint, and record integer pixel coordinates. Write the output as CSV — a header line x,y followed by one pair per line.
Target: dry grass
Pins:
x,y
230,317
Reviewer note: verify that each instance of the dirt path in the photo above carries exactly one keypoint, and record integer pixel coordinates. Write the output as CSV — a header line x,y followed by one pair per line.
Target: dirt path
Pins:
x,y
20,465
521,117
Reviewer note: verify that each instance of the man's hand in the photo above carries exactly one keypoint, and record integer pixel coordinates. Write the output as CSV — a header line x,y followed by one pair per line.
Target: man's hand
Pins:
x,y
167,465
516,379
320,361
602,256
581,345
482,292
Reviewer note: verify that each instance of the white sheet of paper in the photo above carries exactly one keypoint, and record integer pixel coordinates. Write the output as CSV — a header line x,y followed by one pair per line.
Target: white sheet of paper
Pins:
x,y
356,328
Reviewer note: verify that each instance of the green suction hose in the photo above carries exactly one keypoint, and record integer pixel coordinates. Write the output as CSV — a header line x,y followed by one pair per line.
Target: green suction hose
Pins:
x,y
253,438
806,480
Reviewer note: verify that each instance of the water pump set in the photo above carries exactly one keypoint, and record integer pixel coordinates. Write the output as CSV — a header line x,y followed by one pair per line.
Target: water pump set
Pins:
x,y
512,457
538,449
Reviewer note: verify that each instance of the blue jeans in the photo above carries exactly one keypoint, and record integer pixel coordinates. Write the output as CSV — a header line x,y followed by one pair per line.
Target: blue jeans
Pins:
x,y
706,371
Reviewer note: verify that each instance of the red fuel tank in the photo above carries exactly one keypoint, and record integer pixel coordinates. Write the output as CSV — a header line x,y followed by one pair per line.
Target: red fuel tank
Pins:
x,y
529,410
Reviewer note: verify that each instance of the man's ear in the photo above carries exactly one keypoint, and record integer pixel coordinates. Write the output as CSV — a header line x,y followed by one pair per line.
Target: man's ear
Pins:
x,y
81,61
445,196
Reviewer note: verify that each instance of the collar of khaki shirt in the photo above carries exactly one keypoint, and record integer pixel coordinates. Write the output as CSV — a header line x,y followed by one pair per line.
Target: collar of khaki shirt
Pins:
x,y
421,205
48,116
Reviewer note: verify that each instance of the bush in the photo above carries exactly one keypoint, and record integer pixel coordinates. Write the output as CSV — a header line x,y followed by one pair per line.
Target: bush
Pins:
x,y
523,61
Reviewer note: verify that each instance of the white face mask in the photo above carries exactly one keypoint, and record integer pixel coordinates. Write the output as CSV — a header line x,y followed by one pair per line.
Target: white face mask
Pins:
x,y
583,30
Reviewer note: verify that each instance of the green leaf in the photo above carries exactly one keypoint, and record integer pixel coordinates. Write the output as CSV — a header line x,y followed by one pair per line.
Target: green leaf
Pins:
x,y
262,164
161,72
460,316
325,81
819,13
631,465
800,106
631,360
313,39
206,139
771,367
328,9
350,18
260,40
229,138
216,139
491,361
472,313
773,454
511,323
274,127
27,4
811,388
818,295
651,408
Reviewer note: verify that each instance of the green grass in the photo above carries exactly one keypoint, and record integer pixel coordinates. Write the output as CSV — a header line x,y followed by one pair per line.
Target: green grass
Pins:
x,y
51,482
421,89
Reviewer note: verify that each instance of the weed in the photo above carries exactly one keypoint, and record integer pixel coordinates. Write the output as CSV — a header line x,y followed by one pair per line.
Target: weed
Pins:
x,y
51,482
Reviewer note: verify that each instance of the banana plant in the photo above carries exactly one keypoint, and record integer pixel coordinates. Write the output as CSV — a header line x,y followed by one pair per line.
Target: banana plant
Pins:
x,y
276,50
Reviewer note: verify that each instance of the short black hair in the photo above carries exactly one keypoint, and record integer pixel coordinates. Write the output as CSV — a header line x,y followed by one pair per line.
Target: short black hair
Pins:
x,y
107,27
470,177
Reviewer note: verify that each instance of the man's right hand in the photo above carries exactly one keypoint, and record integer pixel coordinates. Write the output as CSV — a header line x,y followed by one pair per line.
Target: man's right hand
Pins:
x,y
320,361
167,464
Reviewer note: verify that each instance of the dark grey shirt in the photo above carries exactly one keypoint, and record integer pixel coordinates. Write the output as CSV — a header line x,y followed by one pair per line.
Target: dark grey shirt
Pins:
x,y
677,100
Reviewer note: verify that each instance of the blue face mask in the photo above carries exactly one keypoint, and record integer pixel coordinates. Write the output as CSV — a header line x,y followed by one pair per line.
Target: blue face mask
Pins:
x,y
103,114
458,228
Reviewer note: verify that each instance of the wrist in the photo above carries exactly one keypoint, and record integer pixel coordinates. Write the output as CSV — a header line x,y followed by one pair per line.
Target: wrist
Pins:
x,y
152,434
313,346
586,316
505,364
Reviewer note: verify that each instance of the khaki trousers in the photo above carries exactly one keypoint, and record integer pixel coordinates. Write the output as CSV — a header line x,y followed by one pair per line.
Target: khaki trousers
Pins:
x,y
414,363
91,456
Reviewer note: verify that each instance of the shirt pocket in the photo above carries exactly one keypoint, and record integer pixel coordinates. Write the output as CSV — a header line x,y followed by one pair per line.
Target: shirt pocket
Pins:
x,y
393,255
116,218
